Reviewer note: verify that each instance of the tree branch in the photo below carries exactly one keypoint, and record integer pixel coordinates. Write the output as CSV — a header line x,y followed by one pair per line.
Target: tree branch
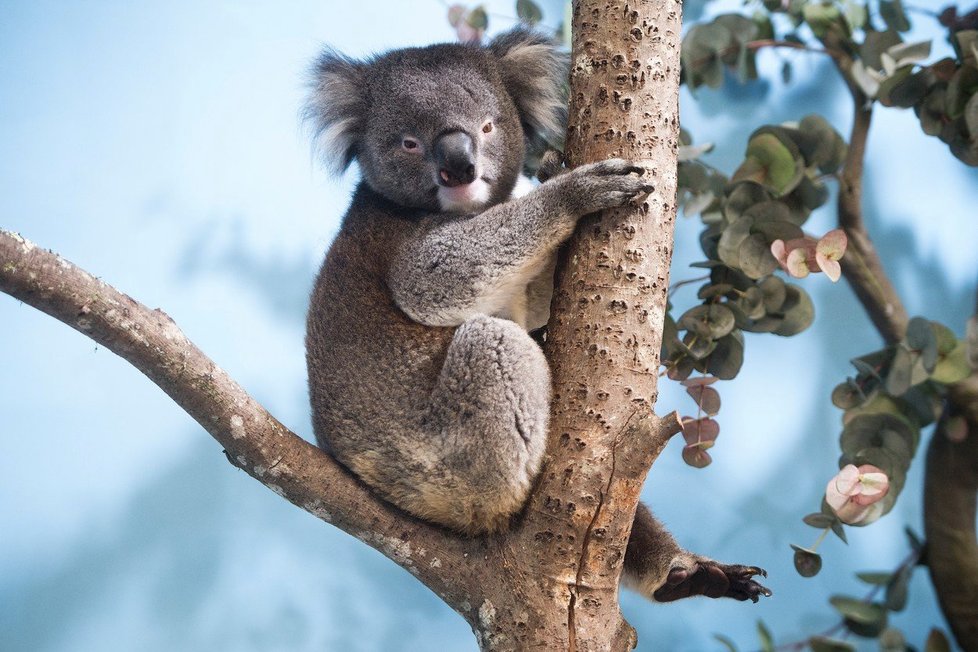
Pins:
x,y
861,264
253,439
950,504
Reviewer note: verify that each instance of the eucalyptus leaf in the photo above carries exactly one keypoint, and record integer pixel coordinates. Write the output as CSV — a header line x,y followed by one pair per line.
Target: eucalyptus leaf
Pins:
x,y
921,337
711,290
825,644
528,12
711,321
699,345
821,16
819,520
772,160
775,293
728,249
807,562
858,610
896,590
856,14
767,641
898,379
892,13
741,197
886,431
840,531
755,256
752,303
876,579
798,310
875,44
847,395
725,642
916,543
892,640
728,357
952,367
478,18
866,630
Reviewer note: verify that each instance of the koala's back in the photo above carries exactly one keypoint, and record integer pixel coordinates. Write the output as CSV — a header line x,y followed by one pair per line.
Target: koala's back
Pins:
x,y
369,364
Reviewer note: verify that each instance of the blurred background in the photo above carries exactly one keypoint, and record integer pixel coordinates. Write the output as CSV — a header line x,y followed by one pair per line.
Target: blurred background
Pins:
x,y
159,147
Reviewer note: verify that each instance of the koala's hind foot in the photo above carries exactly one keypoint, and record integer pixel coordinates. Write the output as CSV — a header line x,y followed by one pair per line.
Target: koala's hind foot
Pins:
x,y
659,569
486,423
694,575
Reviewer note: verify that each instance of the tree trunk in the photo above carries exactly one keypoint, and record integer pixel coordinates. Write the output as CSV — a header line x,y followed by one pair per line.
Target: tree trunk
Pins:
x,y
609,305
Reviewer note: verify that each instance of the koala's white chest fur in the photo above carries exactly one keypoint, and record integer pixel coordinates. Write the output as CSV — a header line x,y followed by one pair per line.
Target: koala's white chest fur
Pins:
x,y
526,300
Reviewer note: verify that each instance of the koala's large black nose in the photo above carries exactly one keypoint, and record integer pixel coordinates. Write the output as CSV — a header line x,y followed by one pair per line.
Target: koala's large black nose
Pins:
x,y
455,158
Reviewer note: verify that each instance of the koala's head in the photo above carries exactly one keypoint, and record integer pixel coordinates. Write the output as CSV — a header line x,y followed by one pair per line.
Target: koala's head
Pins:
x,y
441,128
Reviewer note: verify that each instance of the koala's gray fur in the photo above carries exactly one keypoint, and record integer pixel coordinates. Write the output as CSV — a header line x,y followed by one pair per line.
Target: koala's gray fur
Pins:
x,y
423,379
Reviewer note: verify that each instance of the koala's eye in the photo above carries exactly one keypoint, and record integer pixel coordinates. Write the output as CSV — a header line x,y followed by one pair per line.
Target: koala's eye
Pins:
x,y
486,128
411,145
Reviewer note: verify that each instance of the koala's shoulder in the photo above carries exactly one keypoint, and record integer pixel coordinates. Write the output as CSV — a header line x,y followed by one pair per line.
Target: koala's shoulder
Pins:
x,y
354,275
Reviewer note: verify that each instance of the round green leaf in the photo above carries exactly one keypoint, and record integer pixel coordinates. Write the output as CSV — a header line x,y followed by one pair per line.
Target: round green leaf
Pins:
x,y
824,644
798,311
728,248
891,11
885,431
711,321
921,337
775,292
807,562
847,395
528,12
771,161
953,367
755,256
819,520
698,345
821,16
478,18
741,198
752,303
711,290
858,610
728,357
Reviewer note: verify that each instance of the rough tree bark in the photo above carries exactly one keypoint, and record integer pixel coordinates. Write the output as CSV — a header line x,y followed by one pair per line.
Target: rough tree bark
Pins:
x,y
610,299
551,582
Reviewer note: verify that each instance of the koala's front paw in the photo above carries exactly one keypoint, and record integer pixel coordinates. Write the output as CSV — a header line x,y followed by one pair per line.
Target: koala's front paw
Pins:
x,y
702,576
607,184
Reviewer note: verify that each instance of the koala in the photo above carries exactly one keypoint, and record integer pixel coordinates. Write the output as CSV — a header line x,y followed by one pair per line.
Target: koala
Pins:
x,y
423,379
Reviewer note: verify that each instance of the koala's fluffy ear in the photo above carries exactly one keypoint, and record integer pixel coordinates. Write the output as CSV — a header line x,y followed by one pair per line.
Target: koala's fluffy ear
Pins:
x,y
534,70
337,108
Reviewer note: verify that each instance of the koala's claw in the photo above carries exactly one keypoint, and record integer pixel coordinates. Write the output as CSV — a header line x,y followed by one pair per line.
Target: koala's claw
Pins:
x,y
606,184
714,580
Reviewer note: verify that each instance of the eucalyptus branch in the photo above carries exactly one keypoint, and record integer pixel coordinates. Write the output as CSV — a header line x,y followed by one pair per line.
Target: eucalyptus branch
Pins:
x,y
775,43
861,264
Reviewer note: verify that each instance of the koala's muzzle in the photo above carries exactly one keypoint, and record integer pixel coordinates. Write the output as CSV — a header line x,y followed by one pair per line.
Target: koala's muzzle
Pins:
x,y
455,158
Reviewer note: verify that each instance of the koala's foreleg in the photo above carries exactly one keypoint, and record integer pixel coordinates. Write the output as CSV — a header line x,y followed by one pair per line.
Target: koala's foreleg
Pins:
x,y
454,267
659,569
485,427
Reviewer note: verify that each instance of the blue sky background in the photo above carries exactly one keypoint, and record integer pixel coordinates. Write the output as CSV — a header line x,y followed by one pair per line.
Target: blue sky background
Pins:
x,y
159,148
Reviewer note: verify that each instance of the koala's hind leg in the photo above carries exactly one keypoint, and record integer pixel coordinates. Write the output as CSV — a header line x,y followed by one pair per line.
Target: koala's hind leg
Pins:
x,y
659,569
487,423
